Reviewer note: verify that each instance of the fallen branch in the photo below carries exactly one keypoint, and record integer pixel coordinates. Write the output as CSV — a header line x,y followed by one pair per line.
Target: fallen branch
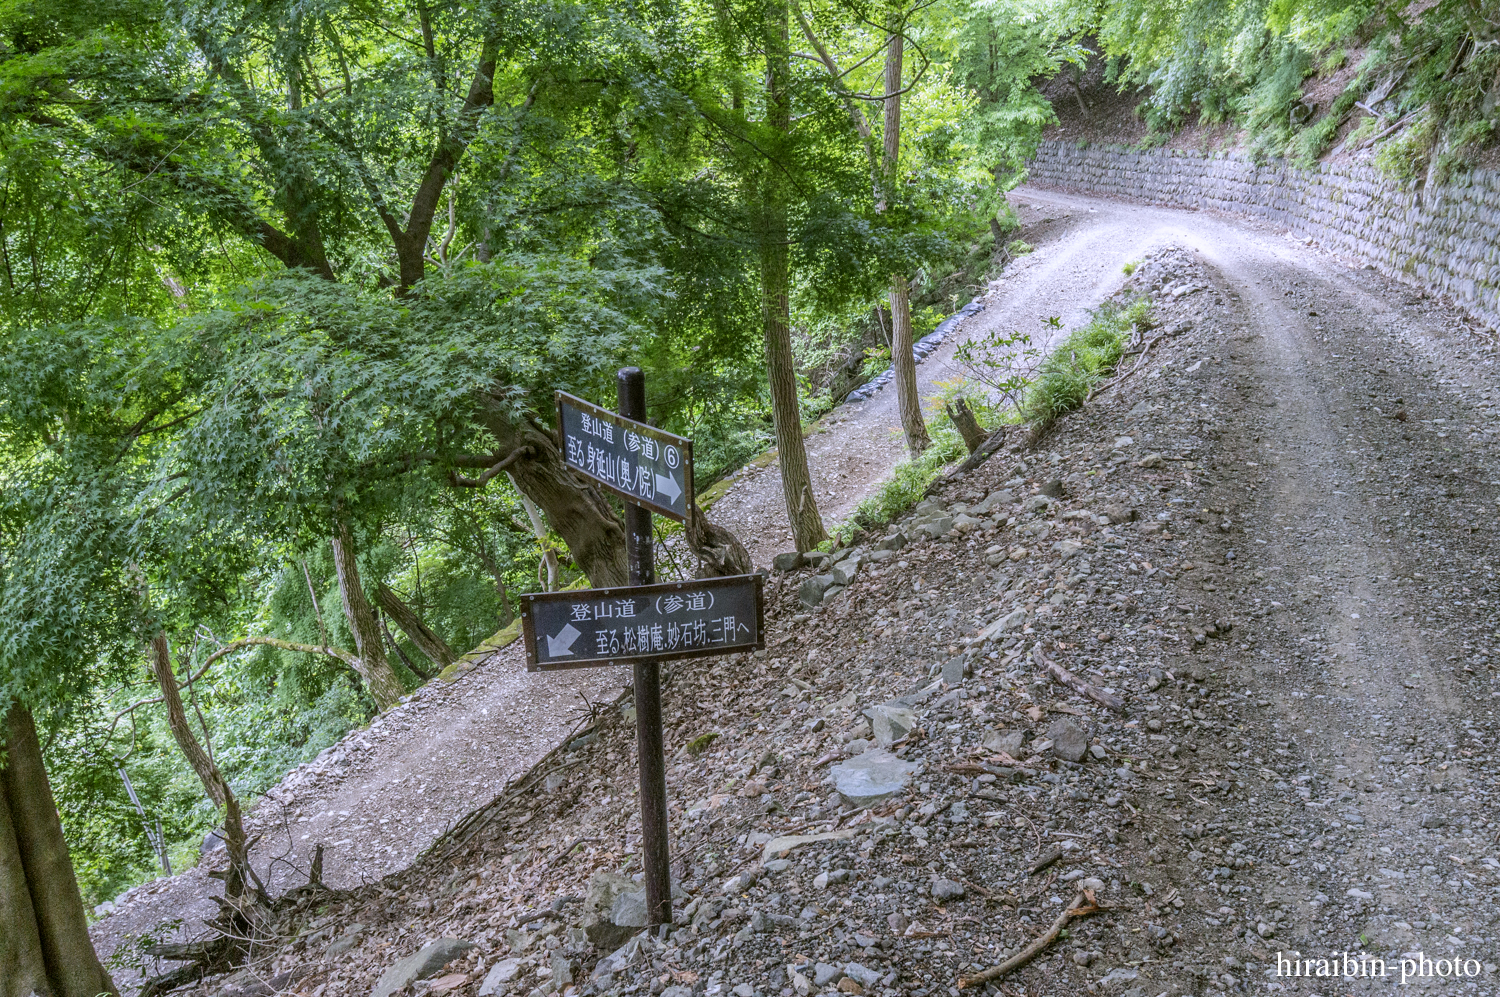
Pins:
x,y
1084,905
566,849
1062,676
1048,857
987,449
1101,389
1366,143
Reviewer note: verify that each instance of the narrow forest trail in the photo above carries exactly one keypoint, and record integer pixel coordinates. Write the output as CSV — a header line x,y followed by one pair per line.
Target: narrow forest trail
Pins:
x,y
1304,322
1077,262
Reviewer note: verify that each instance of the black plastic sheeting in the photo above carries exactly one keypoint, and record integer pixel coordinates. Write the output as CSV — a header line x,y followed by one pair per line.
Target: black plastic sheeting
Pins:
x,y
920,351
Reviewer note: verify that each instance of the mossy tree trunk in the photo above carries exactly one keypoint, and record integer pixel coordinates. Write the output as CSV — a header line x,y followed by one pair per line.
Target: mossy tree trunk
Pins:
x,y
775,282
45,949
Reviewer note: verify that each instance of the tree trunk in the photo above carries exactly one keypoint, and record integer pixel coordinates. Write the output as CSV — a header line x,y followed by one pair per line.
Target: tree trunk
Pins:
x,y
385,631
968,427
548,568
214,783
719,551
493,567
904,364
775,278
44,938
429,643
380,678
576,509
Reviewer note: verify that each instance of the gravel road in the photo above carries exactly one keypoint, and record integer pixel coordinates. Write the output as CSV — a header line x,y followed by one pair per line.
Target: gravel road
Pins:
x,y
1077,262
1351,429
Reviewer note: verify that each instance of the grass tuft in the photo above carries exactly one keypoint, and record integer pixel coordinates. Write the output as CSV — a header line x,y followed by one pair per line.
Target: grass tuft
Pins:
x,y
1083,360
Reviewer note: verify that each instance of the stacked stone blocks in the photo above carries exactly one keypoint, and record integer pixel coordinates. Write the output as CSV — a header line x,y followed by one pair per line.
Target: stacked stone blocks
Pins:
x,y
1443,237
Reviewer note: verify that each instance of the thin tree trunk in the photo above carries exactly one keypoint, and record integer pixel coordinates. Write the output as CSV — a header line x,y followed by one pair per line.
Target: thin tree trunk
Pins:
x,y
905,365
548,568
214,783
44,937
390,641
493,567
775,279
418,632
380,678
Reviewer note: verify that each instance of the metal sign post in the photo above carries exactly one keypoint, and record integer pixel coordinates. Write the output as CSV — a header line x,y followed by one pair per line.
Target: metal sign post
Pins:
x,y
644,622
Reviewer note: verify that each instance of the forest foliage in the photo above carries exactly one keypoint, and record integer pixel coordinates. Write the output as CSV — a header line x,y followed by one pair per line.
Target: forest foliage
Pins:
x,y
273,271
1303,78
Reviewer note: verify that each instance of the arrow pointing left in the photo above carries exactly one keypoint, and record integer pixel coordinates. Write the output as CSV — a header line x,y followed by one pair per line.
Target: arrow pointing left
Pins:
x,y
561,645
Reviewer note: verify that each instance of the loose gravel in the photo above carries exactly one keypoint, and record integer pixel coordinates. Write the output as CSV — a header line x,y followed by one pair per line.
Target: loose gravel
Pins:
x,y
1273,540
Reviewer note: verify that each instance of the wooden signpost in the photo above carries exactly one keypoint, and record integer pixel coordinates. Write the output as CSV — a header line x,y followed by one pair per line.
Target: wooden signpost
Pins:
x,y
642,623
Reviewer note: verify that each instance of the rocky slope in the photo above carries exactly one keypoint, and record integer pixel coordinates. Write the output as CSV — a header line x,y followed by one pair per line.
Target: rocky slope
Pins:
x,y
1273,541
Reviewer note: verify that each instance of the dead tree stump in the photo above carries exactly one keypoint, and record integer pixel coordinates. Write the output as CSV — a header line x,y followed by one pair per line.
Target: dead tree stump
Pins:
x,y
968,427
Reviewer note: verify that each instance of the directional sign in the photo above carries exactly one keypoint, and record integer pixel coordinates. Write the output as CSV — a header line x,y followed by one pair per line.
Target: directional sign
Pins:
x,y
638,462
614,626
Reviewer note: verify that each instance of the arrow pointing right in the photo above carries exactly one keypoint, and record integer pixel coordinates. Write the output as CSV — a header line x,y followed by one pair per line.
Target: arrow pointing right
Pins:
x,y
668,486
561,645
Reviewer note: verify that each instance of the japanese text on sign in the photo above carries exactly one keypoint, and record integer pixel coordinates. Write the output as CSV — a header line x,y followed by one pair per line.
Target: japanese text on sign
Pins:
x,y
675,619
640,463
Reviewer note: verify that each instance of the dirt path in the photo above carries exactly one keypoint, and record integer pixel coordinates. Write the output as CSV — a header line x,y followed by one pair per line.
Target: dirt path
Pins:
x,y
1079,253
1356,469
1362,569
380,796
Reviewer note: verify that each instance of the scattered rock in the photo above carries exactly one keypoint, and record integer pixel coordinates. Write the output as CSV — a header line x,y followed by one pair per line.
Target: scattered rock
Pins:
x,y
1069,741
810,592
420,965
872,777
613,910
890,722
500,974
953,671
1007,742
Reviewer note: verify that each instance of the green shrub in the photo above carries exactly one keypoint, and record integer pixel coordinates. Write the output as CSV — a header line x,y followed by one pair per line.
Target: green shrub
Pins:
x,y
1083,360
910,478
1406,157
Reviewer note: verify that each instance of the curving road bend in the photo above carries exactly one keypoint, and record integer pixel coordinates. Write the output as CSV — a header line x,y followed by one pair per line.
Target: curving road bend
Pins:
x,y
1355,426
1368,546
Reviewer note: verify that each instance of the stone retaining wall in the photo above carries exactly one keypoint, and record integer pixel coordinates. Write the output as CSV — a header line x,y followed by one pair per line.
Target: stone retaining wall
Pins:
x,y
1446,238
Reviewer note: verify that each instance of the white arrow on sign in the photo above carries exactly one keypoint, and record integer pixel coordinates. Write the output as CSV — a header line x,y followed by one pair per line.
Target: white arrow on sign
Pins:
x,y
561,645
668,486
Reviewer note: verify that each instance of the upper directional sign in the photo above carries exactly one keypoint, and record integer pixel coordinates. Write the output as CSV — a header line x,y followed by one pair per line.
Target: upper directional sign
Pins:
x,y
614,626
638,462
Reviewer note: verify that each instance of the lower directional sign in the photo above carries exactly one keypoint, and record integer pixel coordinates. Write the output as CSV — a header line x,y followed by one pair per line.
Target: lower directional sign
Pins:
x,y
594,627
